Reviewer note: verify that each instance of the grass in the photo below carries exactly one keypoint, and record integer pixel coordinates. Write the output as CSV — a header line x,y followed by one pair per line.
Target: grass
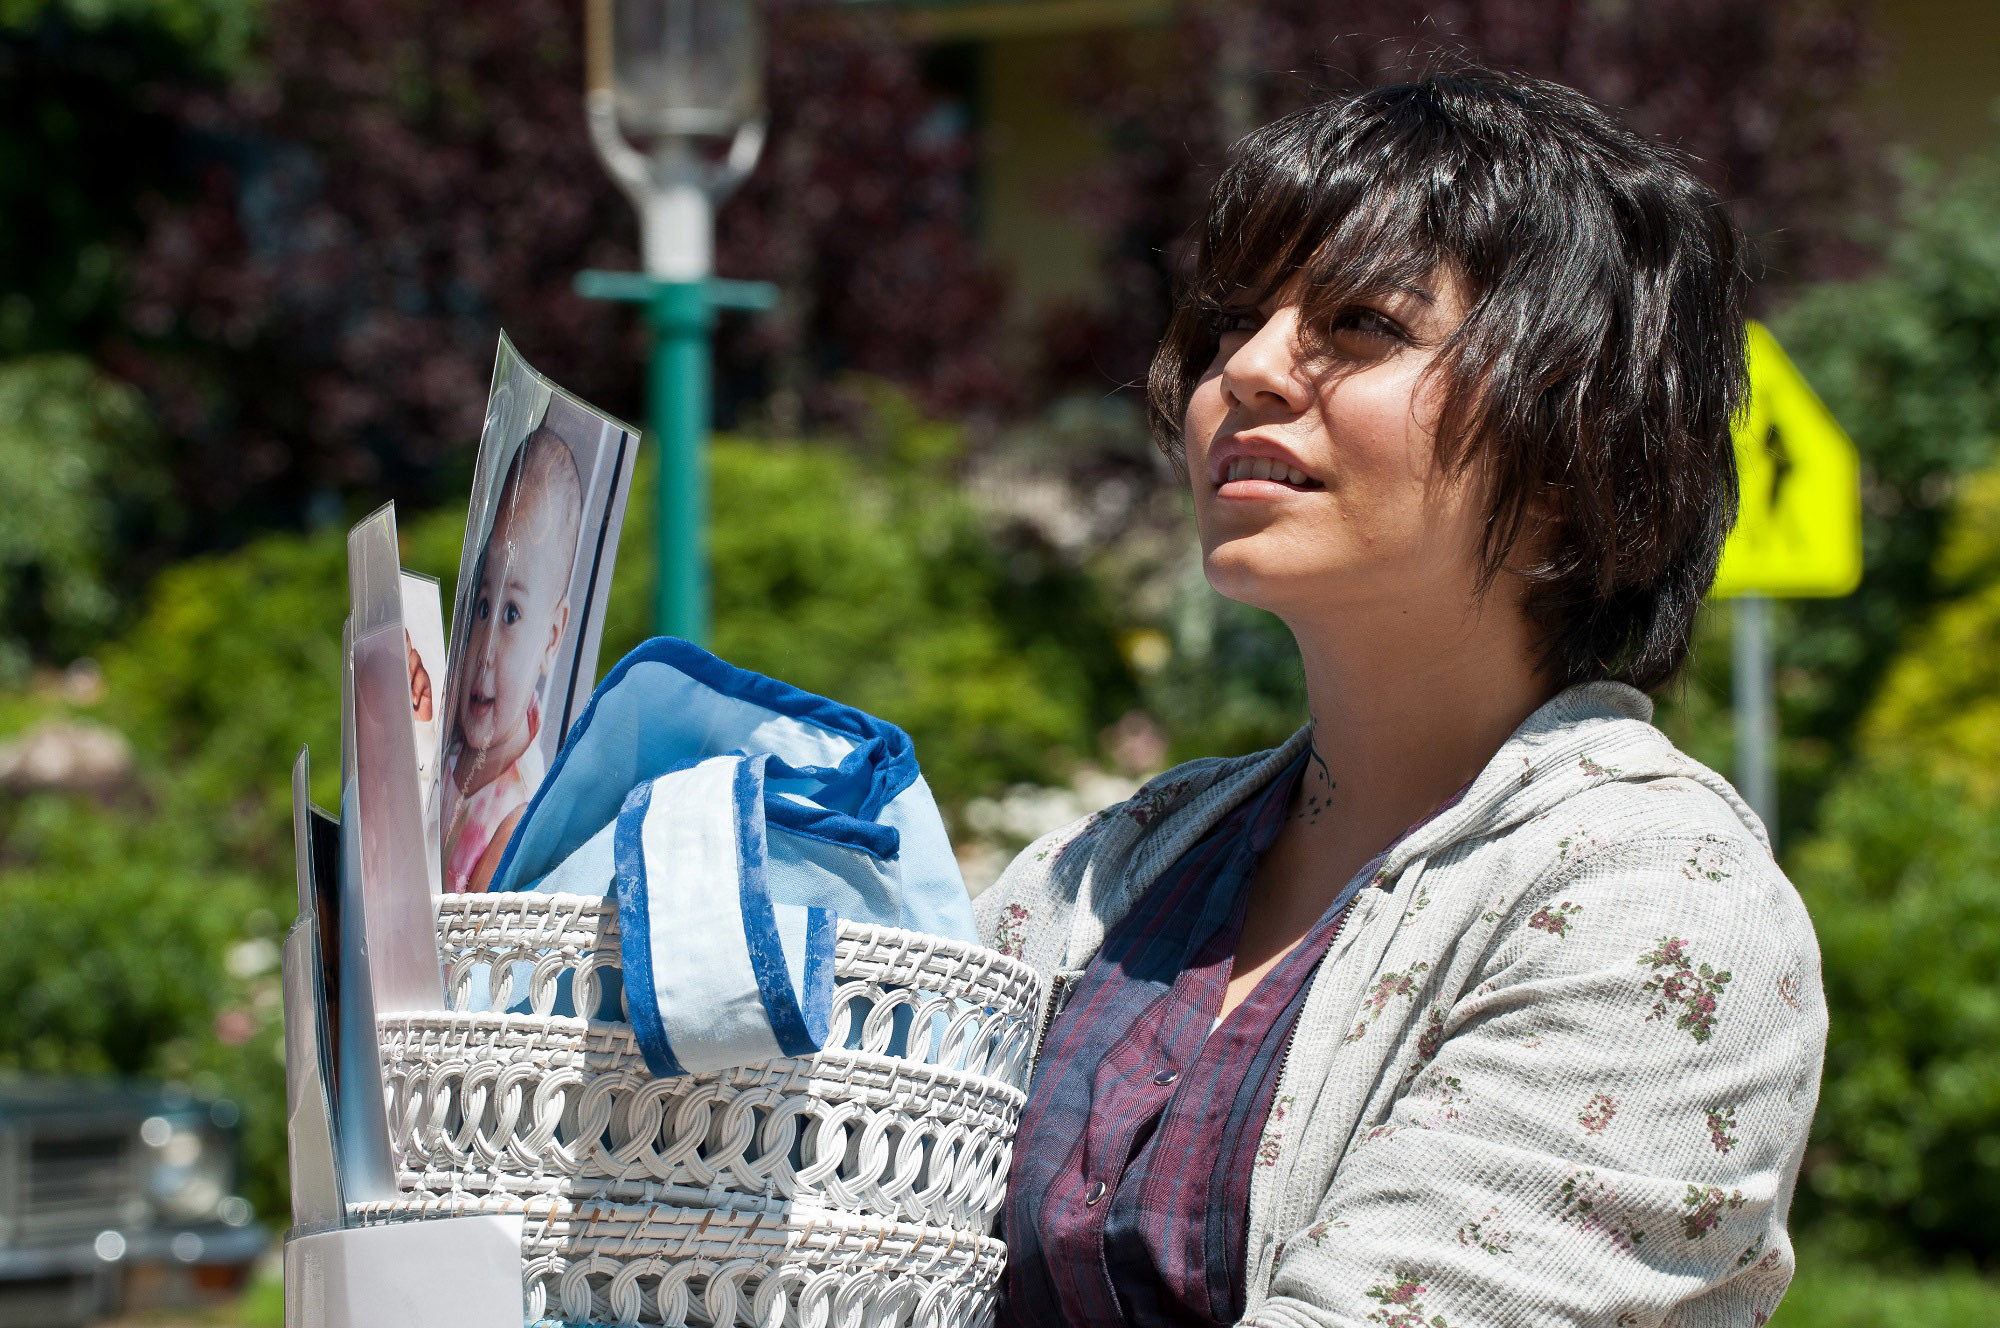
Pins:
x,y
1828,1293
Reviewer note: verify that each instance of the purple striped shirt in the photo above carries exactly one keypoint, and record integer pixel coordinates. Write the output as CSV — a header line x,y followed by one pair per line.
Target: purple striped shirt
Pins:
x,y
1129,1194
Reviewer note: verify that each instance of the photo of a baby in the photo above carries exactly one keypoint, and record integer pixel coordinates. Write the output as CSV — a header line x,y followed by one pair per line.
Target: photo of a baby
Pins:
x,y
528,614
520,610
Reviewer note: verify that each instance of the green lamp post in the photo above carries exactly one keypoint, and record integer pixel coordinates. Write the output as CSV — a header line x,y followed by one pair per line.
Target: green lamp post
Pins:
x,y
674,99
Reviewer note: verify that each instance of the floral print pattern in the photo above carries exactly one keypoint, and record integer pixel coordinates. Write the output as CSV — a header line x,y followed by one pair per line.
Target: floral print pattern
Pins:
x,y
1010,934
1271,1144
1145,806
1316,1234
1681,988
1578,845
1592,1205
1402,982
1705,1206
1487,1232
1445,1094
1401,1307
1613,1224
1597,1113
1706,862
1721,1120
1555,921
1431,1040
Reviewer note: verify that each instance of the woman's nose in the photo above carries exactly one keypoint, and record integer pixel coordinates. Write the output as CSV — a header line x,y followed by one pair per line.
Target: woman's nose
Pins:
x,y
1263,375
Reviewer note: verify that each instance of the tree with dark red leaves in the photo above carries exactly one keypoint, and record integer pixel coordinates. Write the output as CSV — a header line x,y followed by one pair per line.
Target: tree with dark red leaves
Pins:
x,y
1765,95
398,182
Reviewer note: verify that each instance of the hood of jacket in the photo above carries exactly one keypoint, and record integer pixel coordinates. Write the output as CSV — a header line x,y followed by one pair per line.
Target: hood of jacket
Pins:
x,y
1584,737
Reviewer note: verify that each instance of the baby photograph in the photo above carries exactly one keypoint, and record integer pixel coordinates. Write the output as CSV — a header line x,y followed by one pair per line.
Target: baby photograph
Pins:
x,y
528,617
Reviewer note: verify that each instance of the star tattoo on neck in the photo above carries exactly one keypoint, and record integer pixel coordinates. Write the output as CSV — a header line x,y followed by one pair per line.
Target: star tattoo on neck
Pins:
x,y
1315,791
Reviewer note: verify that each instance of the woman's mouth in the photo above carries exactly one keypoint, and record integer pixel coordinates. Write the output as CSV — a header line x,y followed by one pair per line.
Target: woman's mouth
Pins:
x,y
1248,476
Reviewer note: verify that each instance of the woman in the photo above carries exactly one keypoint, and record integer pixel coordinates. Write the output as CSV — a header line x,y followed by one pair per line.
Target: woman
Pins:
x,y
1476,1002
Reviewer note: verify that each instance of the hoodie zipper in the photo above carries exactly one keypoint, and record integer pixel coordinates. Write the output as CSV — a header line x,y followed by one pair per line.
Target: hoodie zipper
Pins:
x,y
1059,993
1292,1034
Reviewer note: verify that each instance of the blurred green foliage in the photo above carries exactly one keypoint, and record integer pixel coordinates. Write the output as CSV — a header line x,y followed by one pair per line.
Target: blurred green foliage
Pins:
x,y
872,579
1903,880
214,32
1942,696
139,924
75,478
1832,1291
136,920
1908,360
86,155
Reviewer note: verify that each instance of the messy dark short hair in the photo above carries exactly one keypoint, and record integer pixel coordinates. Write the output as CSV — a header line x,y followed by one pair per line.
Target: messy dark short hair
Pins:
x,y
1592,382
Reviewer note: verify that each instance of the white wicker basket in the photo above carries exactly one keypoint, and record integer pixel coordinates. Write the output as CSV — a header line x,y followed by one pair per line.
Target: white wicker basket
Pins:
x,y
587,1262
853,1187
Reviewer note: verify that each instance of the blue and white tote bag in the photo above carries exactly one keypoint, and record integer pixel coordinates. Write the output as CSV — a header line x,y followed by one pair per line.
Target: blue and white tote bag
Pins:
x,y
736,819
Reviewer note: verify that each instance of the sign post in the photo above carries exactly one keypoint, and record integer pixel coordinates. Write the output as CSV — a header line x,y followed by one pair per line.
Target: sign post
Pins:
x,y
1797,535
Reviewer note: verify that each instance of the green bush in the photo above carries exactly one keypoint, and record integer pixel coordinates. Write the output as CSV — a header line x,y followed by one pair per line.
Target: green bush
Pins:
x,y
877,584
72,469
1904,884
1904,887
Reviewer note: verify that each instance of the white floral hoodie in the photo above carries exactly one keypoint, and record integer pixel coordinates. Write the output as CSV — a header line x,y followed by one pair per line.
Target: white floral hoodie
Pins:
x,y
1560,1063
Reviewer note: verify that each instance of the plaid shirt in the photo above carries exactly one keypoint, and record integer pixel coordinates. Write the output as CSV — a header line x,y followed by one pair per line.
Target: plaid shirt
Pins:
x,y
1130,1186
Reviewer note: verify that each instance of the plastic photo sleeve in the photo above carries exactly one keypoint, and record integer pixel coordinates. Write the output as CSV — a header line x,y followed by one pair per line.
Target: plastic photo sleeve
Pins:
x,y
541,535
398,917
423,630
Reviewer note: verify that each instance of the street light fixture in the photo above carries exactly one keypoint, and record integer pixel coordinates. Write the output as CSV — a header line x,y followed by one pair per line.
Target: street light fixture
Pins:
x,y
674,100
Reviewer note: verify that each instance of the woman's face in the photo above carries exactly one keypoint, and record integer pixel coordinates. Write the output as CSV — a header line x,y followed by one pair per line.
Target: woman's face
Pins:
x,y
1316,484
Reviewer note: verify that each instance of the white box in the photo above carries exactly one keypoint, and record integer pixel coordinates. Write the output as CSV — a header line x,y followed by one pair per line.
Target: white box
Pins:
x,y
459,1272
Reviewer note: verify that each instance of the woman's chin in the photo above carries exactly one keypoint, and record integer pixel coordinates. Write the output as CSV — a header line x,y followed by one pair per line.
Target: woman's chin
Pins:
x,y
1248,574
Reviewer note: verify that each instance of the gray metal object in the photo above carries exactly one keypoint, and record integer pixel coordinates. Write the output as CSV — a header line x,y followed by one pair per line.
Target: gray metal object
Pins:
x,y
1756,716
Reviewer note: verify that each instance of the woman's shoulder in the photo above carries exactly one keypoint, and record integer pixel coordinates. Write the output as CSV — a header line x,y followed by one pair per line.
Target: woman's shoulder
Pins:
x,y
1649,864
1591,807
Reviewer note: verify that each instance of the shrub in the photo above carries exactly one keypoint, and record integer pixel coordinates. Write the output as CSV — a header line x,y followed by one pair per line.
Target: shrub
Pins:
x,y
1904,884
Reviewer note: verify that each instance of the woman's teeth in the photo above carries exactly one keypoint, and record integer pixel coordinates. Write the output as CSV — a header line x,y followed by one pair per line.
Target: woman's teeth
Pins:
x,y
1264,468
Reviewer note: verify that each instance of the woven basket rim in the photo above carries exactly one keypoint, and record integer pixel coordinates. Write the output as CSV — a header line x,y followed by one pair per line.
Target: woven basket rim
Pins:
x,y
826,1063
527,903
782,1225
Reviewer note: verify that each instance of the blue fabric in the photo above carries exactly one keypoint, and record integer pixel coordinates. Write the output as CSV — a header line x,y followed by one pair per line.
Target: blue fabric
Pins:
x,y
735,818
635,926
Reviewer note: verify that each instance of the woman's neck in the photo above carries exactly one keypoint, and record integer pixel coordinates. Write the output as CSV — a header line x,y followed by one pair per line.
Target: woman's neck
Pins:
x,y
1407,709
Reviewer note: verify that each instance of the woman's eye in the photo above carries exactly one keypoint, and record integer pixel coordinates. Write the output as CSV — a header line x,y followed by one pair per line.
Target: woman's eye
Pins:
x,y
482,608
1236,320
510,613
1367,322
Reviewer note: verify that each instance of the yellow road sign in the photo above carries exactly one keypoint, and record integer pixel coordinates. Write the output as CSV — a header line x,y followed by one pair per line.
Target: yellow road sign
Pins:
x,y
1798,531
